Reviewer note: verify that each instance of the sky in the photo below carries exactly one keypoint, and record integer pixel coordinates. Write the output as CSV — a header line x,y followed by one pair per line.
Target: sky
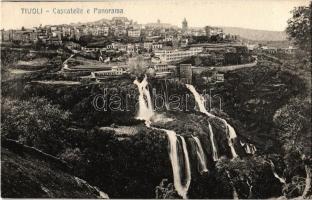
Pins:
x,y
254,14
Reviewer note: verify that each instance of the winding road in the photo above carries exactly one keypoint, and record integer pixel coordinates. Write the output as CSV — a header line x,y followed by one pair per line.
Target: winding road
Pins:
x,y
226,68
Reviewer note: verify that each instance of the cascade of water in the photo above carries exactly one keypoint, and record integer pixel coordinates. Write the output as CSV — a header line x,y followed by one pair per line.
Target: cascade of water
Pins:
x,y
200,155
214,148
253,149
145,108
200,103
174,158
146,112
231,134
278,177
148,98
235,194
247,149
282,180
166,96
186,166
250,148
250,186
200,100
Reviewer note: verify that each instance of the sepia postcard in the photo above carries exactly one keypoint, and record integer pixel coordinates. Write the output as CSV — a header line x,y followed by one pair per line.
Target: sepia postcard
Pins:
x,y
156,99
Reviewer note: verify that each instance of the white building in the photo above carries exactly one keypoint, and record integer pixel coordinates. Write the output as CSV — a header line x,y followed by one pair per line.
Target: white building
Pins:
x,y
117,46
289,50
168,38
184,42
270,50
115,71
134,33
147,45
251,47
105,31
161,67
131,48
163,70
170,55
156,46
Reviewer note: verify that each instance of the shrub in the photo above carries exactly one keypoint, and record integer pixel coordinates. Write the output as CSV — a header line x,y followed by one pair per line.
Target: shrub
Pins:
x,y
35,122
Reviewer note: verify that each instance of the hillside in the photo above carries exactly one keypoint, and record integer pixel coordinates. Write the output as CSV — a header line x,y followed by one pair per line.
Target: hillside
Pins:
x,y
252,34
29,173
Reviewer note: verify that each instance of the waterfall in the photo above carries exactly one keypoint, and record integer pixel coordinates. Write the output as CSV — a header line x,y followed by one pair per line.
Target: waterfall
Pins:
x,y
249,148
146,113
148,98
145,108
174,158
200,102
281,180
253,149
187,167
235,194
231,135
200,155
230,132
278,177
214,148
166,96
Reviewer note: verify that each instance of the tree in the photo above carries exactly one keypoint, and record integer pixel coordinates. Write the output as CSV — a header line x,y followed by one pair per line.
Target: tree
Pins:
x,y
293,122
299,27
138,66
35,122
248,177
166,190
198,61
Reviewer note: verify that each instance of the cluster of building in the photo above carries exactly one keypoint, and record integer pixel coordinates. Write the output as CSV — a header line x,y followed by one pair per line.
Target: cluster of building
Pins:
x,y
50,35
164,45
182,73
271,49
275,50
120,27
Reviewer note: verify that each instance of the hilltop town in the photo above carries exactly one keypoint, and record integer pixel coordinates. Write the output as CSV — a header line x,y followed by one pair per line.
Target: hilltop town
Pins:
x,y
110,48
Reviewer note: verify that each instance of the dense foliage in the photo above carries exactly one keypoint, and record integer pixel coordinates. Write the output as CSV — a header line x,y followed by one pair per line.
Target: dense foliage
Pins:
x,y
293,122
35,122
299,27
